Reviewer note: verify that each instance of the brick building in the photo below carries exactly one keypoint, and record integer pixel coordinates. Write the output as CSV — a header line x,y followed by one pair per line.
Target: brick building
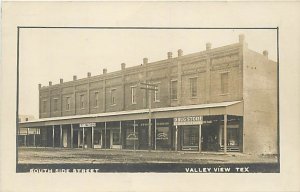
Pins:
x,y
198,102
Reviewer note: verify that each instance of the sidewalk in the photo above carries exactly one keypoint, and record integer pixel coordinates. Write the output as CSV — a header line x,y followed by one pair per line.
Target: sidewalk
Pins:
x,y
100,156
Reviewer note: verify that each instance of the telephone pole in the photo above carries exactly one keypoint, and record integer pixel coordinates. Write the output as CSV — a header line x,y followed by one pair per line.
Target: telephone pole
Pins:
x,y
149,87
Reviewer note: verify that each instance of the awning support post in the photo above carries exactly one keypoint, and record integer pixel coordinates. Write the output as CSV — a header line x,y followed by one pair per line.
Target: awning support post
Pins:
x,y
60,137
71,137
176,137
225,133
92,137
83,138
200,139
53,136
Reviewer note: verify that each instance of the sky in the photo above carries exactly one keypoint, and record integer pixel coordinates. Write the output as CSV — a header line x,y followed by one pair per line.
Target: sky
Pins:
x,y
50,54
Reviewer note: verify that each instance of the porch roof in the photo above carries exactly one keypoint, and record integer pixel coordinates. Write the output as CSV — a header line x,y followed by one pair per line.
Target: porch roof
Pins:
x,y
230,108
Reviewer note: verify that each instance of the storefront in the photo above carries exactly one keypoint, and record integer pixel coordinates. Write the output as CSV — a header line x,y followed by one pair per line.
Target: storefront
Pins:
x,y
169,130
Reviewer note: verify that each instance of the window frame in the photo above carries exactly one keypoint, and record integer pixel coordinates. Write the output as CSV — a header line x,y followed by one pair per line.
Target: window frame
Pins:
x,y
172,81
81,101
68,103
191,87
55,104
222,91
96,99
133,96
112,97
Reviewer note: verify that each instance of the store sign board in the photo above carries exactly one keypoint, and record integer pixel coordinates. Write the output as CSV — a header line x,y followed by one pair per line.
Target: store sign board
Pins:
x,y
87,125
190,120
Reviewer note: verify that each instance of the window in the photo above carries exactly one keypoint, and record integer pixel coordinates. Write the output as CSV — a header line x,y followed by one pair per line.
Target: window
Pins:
x,y
113,96
55,103
44,106
96,99
133,95
224,83
26,119
156,93
68,103
81,101
174,89
193,87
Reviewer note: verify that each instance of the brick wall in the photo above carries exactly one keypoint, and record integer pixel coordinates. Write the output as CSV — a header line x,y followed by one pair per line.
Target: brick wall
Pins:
x,y
206,66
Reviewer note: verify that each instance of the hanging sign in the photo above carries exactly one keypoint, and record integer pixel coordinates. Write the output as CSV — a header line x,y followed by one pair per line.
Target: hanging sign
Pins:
x,y
190,120
87,125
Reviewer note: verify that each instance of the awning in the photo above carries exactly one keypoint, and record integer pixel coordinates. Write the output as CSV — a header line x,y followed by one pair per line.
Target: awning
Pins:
x,y
229,108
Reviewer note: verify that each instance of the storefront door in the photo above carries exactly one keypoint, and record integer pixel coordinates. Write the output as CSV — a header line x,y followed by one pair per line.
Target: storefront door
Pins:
x,y
190,137
115,138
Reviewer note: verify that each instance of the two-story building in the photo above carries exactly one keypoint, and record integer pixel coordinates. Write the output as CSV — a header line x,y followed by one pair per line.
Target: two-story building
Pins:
x,y
219,99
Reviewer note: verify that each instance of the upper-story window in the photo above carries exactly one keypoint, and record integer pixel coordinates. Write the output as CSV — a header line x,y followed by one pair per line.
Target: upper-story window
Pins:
x,y
68,103
224,83
113,96
81,101
133,95
193,87
174,89
157,92
26,119
55,103
44,106
96,99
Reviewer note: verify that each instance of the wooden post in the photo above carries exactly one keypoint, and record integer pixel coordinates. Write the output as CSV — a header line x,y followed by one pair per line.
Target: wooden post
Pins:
x,y
154,134
53,136
83,138
176,136
92,137
105,135
200,138
225,133
120,140
134,135
71,137
60,137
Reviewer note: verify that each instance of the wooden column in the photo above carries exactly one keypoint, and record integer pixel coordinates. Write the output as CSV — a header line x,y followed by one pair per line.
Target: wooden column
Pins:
x,y
60,137
134,134
120,140
105,135
176,138
92,137
154,134
71,136
53,136
225,133
83,138
200,138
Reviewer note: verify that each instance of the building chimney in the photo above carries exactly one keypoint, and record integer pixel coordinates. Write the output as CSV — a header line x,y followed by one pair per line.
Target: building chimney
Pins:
x,y
208,46
123,66
104,71
169,55
40,86
145,61
61,81
241,38
89,74
74,77
180,52
50,83
265,53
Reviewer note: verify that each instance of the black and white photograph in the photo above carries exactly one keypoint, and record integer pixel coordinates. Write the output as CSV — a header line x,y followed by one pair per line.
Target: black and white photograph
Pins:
x,y
149,96
148,99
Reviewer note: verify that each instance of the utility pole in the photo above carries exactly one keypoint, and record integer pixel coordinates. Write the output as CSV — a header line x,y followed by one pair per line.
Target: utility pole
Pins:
x,y
149,87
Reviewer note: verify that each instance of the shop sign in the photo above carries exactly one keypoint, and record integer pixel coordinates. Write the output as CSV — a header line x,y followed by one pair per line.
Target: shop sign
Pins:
x,y
191,120
132,136
162,136
87,125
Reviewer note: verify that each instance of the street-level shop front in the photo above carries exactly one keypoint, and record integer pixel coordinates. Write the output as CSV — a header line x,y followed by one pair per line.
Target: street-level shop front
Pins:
x,y
197,128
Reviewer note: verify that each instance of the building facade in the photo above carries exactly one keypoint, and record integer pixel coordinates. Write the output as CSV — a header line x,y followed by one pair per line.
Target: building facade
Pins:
x,y
221,99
